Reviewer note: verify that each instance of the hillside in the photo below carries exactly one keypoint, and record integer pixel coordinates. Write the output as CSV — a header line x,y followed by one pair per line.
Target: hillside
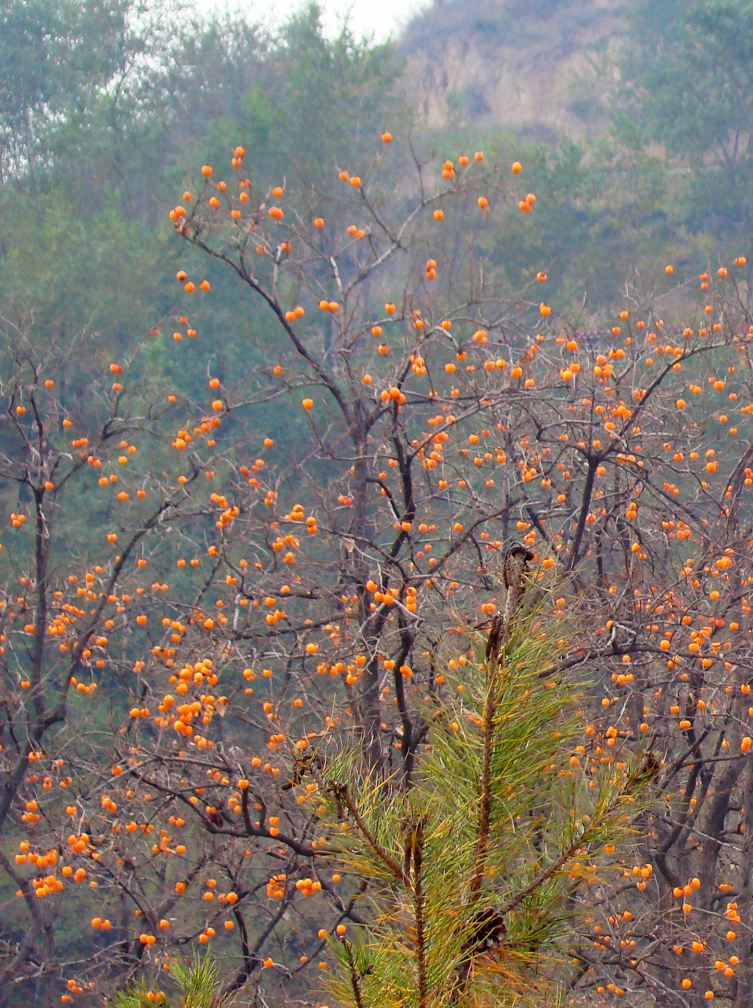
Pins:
x,y
511,62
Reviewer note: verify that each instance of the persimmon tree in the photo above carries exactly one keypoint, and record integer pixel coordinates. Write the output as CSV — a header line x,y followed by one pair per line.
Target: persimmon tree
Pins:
x,y
70,610
302,563
601,439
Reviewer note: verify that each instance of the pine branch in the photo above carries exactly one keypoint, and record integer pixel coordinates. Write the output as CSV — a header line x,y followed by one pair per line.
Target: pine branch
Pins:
x,y
543,877
485,797
342,793
515,569
416,846
355,979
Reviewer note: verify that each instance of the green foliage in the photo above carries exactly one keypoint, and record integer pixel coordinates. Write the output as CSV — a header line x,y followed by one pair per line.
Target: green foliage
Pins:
x,y
67,67
474,869
686,82
197,981
696,72
48,269
308,104
136,996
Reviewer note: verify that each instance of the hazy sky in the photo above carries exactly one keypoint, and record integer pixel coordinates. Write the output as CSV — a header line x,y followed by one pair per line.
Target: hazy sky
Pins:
x,y
379,18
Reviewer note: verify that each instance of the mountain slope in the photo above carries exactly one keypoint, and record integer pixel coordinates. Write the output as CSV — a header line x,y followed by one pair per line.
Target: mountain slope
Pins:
x,y
514,63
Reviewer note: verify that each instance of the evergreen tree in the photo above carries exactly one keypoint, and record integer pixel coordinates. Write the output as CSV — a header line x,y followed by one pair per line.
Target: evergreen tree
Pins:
x,y
473,866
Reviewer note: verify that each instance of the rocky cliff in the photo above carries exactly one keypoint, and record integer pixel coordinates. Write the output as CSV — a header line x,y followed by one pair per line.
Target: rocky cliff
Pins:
x,y
528,65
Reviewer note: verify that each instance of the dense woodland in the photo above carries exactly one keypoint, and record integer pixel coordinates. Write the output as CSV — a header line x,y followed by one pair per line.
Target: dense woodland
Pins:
x,y
375,568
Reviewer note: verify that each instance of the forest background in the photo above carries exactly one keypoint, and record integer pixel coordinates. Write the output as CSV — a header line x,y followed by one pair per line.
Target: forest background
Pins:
x,y
599,259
